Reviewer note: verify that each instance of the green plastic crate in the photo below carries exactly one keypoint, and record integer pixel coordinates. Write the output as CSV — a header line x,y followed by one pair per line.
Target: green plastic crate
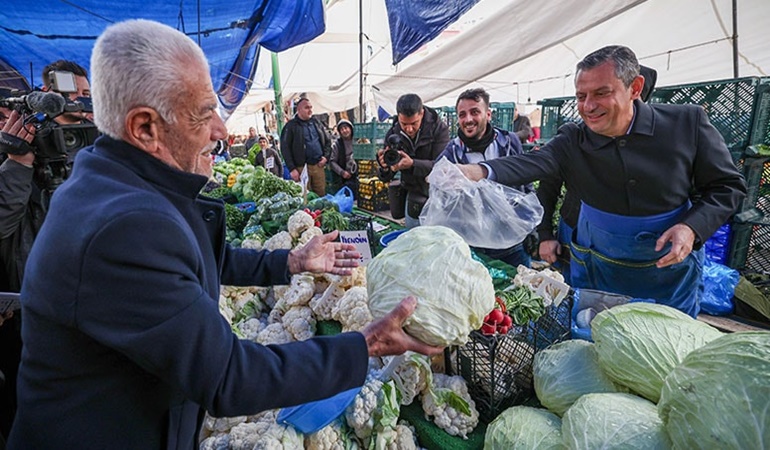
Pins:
x,y
555,113
738,108
373,131
502,115
365,151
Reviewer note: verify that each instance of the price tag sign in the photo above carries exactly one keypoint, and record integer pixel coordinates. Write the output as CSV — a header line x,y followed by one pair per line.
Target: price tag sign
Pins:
x,y
361,241
303,178
269,163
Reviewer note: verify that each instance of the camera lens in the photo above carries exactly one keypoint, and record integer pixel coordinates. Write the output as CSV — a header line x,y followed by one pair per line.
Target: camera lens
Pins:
x,y
391,157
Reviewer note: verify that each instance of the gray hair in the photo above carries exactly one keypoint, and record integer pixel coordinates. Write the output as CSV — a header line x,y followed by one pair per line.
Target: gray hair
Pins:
x,y
623,58
139,63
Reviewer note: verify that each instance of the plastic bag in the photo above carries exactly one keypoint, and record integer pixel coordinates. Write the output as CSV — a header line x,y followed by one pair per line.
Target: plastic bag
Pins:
x,y
719,286
587,303
486,214
343,199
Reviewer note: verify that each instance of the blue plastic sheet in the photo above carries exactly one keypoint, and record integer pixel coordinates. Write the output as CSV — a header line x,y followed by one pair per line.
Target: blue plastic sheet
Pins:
x,y
36,33
719,284
717,247
412,24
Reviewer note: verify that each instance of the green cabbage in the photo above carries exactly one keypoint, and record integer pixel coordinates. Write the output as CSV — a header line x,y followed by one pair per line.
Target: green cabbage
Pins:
x,y
613,421
566,371
719,397
640,343
433,264
524,428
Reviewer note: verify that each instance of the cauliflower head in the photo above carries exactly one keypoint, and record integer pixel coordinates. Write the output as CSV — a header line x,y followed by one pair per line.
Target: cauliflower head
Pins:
x,y
443,393
352,310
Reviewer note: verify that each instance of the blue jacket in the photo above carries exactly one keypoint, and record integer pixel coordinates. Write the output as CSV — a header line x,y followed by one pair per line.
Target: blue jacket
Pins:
x,y
124,345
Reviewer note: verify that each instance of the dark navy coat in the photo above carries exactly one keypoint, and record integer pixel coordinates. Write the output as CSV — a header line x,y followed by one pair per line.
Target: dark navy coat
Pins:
x,y
124,345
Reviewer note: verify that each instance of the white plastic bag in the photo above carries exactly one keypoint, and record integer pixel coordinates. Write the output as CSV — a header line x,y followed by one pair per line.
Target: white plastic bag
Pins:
x,y
485,213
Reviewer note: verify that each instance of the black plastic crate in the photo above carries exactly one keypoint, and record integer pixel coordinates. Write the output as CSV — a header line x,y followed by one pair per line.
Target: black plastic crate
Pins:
x,y
361,222
751,242
498,368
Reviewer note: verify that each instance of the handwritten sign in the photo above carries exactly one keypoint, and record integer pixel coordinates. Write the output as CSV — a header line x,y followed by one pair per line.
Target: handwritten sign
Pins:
x,y
361,241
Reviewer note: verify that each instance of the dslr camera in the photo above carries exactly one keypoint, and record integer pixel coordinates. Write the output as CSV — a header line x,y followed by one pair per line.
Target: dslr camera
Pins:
x,y
392,155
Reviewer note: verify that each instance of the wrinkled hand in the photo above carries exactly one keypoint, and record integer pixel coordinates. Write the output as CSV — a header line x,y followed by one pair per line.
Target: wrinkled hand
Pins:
x,y
682,238
550,251
295,175
322,162
473,172
322,254
387,336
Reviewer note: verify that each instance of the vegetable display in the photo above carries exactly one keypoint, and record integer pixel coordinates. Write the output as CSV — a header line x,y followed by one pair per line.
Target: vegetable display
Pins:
x,y
638,344
524,428
566,371
434,265
624,421
719,396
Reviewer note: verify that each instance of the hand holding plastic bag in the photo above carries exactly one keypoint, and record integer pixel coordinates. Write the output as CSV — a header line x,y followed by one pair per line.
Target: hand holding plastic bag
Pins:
x,y
486,214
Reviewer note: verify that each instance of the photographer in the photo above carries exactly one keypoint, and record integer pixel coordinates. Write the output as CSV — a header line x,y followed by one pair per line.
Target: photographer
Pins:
x,y
414,141
28,177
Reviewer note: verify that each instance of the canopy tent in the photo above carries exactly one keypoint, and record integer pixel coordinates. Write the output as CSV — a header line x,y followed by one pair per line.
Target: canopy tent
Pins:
x,y
528,50
36,33
518,50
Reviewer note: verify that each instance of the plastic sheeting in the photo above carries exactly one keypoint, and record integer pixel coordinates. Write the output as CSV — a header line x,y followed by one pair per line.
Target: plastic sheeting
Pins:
x,y
412,24
36,33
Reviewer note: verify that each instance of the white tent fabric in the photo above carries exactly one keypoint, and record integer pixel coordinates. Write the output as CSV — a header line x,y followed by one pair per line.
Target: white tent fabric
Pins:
x,y
520,50
529,50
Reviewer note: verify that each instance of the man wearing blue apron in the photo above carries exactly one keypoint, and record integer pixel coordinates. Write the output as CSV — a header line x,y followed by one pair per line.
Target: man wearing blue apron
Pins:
x,y
655,182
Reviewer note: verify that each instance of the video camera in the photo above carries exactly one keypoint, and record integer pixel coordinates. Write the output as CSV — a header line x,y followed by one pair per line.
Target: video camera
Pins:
x,y
53,141
395,144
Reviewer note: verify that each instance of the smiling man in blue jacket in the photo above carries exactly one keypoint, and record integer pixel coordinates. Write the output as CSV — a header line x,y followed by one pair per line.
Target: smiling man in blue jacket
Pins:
x,y
124,346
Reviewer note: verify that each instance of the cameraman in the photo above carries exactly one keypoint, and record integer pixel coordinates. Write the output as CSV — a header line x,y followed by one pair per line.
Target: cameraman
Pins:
x,y
25,192
414,141
82,91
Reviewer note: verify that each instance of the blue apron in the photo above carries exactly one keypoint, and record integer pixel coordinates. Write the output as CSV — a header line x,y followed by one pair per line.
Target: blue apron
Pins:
x,y
617,254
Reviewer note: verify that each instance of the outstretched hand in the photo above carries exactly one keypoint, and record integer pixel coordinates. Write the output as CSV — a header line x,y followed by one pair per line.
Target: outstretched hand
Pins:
x,y
322,254
682,238
386,336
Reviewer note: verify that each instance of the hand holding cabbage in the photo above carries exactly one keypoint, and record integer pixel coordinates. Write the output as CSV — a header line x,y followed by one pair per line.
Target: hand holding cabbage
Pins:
x,y
433,264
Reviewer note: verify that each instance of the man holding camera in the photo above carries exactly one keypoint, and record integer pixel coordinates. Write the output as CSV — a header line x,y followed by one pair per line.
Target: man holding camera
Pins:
x,y
26,187
413,143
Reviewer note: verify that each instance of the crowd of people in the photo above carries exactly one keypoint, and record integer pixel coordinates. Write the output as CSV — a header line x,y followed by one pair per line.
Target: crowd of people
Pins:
x,y
120,325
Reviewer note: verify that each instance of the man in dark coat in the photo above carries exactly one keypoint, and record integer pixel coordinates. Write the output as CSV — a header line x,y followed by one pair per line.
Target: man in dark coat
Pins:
x,y
305,144
124,345
635,167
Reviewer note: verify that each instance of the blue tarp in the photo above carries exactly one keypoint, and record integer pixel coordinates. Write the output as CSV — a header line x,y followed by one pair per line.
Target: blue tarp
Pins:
x,y
412,23
36,33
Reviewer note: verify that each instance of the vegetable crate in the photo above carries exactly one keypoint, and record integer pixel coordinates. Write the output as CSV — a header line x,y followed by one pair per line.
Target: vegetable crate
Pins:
x,y
372,195
374,132
557,112
367,168
498,368
358,222
502,115
738,108
364,151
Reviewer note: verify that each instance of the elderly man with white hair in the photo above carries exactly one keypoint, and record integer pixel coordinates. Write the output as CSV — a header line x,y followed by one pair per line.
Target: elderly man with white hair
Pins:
x,y
124,343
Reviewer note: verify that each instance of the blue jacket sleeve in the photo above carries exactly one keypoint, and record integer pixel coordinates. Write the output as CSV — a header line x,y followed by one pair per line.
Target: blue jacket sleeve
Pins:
x,y
160,317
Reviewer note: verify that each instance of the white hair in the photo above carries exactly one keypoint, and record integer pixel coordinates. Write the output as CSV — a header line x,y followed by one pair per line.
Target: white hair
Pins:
x,y
139,63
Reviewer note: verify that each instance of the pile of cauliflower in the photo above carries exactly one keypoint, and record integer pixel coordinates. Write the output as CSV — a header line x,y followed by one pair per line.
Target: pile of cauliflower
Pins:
x,y
290,313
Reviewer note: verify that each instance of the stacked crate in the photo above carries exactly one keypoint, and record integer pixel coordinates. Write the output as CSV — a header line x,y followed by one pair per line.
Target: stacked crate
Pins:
x,y
372,194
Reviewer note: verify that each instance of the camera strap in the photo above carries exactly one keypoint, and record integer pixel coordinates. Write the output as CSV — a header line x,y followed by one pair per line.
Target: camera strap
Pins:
x,y
13,145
